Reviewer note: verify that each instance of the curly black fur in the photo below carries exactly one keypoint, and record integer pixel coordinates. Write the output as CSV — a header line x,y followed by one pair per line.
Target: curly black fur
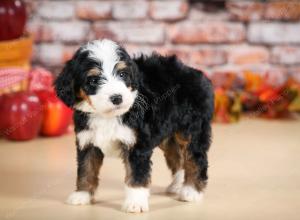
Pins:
x,y
188,109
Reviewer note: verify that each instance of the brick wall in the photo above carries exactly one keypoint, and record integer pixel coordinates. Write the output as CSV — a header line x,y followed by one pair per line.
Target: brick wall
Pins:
x,y
259,36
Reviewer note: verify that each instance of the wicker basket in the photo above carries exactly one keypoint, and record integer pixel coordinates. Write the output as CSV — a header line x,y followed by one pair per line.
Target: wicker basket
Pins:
x,y
16,53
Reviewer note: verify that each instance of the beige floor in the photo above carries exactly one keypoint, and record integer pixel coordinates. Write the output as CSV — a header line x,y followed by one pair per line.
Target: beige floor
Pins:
x,y
254,174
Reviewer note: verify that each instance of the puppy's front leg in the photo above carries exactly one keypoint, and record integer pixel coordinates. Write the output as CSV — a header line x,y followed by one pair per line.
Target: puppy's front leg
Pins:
x,y
138,170
89,161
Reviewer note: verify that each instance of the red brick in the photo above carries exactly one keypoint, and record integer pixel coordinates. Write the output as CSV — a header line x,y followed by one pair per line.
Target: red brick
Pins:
x,y
131,32
182,53
35,28
68,32
169,10
274,33
247,55
201,56
104,30
197,12
137,49
130,10
93,10
50,54
207,32
68,52
286,55
283,10
207,56
246,10
56,10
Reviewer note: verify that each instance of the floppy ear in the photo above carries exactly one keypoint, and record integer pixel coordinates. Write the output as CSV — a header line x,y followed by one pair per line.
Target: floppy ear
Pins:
x,y
135,74
64,84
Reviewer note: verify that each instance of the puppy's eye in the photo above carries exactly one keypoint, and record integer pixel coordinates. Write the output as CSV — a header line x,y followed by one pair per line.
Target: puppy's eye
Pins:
x,y
93,81
123,74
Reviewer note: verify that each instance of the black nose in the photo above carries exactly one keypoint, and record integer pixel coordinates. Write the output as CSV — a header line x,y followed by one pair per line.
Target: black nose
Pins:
x,y
116,99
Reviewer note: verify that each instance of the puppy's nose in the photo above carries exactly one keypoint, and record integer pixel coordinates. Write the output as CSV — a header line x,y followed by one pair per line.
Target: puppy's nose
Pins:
x,y
116,99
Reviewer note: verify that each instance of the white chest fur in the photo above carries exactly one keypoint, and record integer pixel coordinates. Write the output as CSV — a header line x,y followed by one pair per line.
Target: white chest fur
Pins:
x,y
107,134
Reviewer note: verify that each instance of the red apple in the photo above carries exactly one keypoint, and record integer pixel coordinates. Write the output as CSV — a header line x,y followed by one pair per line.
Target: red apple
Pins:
x,y
40,79
21,114
12,19
57,116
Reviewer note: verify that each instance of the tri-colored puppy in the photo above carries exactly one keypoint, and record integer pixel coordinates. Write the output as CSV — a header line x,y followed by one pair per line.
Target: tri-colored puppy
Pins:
x,y
126,107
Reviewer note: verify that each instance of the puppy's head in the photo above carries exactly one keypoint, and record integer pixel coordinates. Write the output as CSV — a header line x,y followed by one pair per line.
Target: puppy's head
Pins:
x,y
101,78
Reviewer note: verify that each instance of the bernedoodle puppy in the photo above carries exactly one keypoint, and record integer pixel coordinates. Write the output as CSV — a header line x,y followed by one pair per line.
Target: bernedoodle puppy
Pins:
x,y
126,107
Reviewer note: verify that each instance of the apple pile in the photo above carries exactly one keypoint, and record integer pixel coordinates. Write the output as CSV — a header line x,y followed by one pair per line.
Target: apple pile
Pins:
x,y
26,114
28,104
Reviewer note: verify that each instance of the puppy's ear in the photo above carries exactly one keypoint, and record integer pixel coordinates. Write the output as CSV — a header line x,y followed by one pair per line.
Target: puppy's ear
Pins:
x,y
64,84
135,74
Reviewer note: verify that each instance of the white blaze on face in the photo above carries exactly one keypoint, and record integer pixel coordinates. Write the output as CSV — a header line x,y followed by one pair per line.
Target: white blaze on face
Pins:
x,y
105,51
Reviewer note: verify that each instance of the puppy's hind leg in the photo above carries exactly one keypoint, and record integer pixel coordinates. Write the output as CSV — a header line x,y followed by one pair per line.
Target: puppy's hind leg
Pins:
x,y
196,164
89,162
174,158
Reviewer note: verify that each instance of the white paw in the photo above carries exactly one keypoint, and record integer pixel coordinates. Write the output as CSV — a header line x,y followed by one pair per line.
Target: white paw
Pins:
x,y
190,194
176,185
174,188
79,198
136,200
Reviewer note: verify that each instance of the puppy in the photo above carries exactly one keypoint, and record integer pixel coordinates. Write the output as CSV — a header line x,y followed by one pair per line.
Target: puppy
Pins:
x,y
125,107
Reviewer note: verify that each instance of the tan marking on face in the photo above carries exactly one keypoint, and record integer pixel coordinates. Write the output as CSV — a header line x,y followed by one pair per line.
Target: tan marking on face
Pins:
x,y
94,72
121,65
85,97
